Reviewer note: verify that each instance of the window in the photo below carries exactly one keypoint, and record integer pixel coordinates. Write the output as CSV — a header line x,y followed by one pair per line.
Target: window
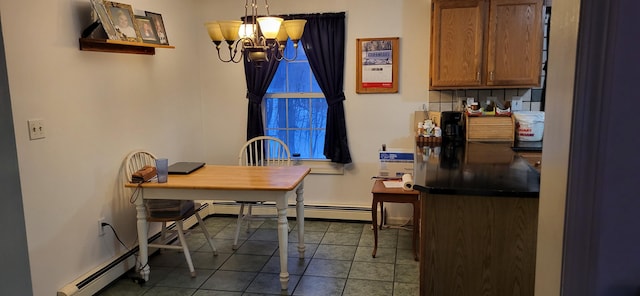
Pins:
x,y
295,107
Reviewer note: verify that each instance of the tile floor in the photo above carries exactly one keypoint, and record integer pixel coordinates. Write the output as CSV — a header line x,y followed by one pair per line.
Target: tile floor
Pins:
x,y
337,262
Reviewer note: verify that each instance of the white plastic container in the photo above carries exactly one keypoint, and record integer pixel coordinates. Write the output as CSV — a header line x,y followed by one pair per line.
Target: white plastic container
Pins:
x,y
529,125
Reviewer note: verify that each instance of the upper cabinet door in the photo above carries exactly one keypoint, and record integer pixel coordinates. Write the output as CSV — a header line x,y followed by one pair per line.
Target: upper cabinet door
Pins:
x,y
457,47
486,44
514,46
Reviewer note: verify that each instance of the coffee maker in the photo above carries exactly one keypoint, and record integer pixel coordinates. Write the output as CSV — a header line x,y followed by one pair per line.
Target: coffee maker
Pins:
x,y
452,125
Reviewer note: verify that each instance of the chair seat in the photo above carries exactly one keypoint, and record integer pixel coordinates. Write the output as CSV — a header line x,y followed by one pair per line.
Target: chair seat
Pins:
x,y
169,210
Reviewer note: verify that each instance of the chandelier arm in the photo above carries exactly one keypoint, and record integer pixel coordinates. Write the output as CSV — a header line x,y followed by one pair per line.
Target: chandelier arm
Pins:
x,y
233,53
278,50
295,53
220,56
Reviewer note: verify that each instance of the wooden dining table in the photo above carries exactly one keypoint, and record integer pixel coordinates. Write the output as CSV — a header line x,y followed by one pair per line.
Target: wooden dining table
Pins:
x,y
238,183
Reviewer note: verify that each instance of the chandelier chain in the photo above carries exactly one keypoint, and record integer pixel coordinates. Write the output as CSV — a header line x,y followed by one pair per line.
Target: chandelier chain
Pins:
x,y
266,6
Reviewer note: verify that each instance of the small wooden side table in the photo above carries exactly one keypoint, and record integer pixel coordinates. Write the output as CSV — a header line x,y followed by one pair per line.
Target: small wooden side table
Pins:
x,y
383,194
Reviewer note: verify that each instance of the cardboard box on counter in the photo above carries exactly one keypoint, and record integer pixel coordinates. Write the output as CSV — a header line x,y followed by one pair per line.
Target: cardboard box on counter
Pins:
x,y
396,162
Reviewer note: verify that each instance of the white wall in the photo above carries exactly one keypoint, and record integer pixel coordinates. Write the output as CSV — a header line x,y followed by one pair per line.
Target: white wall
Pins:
x,y
98,106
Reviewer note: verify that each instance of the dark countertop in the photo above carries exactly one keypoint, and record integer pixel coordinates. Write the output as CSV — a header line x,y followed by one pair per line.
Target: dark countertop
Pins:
x,y
474,168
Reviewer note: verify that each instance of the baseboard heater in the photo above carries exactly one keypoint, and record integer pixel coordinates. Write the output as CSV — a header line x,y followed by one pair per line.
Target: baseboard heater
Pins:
x,y
324,212
98,278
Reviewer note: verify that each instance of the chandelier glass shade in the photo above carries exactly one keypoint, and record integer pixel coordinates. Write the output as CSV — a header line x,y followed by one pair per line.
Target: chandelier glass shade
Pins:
x,y
256,38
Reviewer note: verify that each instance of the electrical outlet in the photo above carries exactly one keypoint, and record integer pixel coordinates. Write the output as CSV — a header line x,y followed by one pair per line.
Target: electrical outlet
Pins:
x,y
100,227
36,128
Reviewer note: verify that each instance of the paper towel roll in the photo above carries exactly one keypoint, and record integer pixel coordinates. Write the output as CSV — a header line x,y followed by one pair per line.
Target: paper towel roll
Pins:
x,y
407,182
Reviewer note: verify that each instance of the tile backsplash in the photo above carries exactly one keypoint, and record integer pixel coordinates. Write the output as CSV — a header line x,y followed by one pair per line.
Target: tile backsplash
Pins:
x,y
447,100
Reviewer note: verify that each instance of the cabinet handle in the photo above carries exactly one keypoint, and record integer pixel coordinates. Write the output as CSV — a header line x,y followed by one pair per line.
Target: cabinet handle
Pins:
x,y
478,76
491,75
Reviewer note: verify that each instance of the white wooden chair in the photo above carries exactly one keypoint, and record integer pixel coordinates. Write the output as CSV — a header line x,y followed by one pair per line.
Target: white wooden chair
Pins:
x,y
167,211
259,151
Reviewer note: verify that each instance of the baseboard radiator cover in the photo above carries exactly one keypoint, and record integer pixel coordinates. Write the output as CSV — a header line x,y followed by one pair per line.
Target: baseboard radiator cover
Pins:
x,y
96,279
328,212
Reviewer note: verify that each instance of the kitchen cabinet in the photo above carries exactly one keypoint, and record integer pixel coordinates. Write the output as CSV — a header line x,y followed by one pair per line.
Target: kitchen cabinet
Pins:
x,y
486,43
479,220
478,245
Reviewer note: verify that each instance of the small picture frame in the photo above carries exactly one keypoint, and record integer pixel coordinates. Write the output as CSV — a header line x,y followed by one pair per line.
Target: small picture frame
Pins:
x,y
159,26
377,65
147,29
121,16
103,17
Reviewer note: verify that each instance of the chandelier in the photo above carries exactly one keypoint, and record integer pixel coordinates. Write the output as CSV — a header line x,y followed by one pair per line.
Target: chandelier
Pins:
x,y
258,38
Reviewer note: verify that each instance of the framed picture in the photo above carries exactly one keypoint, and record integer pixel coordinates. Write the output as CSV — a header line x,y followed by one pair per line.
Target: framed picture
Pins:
x,y
377,65
159,25
101,12
121,16
147,29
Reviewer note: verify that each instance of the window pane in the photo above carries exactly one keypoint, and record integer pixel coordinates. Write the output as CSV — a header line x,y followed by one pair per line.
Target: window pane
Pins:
x,y
299,77
314,86
276,113
279,82
299,113
317,144
299,143
319,113
280,134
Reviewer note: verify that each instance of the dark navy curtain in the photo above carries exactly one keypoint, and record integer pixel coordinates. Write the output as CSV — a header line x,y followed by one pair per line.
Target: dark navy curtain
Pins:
x,y
258,77
324,43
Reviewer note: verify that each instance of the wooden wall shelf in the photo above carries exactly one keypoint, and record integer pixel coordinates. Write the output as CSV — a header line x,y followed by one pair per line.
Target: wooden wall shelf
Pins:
x,y
119,46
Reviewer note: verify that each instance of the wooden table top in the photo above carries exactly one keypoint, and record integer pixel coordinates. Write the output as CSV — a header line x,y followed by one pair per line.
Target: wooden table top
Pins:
x,y
274,178
378,187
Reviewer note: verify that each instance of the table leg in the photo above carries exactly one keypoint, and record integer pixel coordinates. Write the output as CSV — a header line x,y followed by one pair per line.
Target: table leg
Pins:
x,y
374,222
300,218
141,215
416,229
283,240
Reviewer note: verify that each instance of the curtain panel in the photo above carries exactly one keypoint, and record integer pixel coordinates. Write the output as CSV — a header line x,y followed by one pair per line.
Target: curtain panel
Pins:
x,y
324,43
258,77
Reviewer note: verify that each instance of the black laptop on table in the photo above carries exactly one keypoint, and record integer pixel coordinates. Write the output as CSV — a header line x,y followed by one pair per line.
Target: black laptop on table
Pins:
x,y
184,167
